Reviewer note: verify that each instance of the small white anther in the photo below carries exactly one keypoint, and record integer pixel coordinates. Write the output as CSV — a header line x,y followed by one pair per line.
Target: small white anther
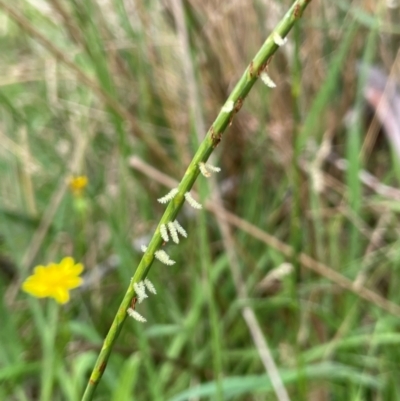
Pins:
x,y
192,202
140,291
136,315
278,39
164,232
228,106
180,229
173,231
170,195
267,80
149,285
143,248
163,257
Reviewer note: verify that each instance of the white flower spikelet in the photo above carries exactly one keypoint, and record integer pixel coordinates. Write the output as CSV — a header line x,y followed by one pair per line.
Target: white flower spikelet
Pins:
x,y
143,248
228,106
163,257
149,285
164,232
267,80
278,39
192,202
170,195
140,291
174,232
180,229
136,315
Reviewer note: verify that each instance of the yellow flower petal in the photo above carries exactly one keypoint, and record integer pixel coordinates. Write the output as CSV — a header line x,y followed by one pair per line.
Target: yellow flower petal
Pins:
x,y
73,282
61,295
35,289
39,270
70,267
67,262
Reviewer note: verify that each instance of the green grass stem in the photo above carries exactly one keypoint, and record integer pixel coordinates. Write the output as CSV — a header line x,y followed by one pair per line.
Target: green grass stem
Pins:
x,y
212,139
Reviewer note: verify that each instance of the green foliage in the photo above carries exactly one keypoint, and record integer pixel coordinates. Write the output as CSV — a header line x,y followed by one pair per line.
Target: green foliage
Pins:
x,y
328,343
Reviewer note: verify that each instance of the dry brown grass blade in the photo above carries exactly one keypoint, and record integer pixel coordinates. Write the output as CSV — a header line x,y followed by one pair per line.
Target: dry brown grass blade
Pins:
x,y
305,260
25,24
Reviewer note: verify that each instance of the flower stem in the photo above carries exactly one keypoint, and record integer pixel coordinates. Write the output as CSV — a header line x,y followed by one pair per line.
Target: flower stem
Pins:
x,y
48,337
213,137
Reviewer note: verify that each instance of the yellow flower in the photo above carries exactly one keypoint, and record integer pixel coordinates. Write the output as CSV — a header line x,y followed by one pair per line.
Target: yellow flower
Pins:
x,y
78,184
54,280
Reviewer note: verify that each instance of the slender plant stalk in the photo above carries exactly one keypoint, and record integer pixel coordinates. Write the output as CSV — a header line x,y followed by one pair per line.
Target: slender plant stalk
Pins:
x,y
211,141
49,352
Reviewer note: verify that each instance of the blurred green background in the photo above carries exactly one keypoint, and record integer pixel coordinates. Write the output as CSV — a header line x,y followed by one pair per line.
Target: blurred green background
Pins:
x,y
87,85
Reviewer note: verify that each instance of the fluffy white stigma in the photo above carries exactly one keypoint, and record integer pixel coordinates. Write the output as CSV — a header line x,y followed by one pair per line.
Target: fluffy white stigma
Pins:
x,y
203,170
143,248
228,106
136,315
192,202
180,229
173,231
278,39
149,285
170,195
140,291
164,232
267,80
163,257
212,168
206,169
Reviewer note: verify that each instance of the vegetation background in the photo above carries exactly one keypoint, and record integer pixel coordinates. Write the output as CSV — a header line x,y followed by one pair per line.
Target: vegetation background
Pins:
x,y
145,79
